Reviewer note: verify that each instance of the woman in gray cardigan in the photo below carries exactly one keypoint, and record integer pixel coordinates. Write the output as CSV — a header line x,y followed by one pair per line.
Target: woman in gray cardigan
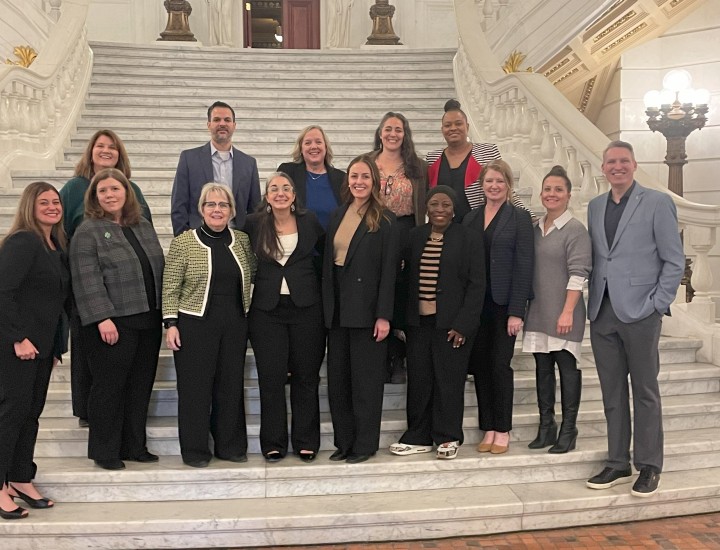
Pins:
x,y
555,320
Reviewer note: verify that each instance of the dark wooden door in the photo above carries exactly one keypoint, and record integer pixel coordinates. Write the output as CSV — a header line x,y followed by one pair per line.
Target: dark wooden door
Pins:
x,y
247,25
301,24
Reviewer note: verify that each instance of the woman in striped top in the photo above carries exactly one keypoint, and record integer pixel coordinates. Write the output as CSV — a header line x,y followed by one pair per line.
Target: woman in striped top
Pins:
x,y
446,267
459,165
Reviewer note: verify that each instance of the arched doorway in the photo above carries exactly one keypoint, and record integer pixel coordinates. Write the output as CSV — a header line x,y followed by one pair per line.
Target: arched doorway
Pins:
x,y
287,24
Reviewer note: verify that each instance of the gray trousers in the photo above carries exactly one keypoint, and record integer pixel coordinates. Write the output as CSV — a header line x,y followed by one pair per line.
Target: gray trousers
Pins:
x,y
621,349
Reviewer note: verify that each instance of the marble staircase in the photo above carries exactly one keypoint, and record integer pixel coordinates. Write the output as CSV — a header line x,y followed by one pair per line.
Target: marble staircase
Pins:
x,y
169,505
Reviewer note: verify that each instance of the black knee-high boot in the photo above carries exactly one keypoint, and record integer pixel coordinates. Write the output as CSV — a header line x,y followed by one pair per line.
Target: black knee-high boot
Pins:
x,y
570,390
545,383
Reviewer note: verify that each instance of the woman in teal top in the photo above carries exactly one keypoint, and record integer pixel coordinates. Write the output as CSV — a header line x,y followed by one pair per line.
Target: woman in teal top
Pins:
x,y
104,150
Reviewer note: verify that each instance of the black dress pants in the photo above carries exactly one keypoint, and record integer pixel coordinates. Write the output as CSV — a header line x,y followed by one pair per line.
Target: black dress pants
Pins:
x,y
123,376
210,382
490,364
23,390
436,385
356,381
288,339
80,375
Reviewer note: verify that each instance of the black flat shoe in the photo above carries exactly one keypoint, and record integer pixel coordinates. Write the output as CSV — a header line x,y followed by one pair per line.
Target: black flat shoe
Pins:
x,y
83,423
357,459
39,503
197,463
235,458
145,457
17,513
114,464
273,456
338,455
307,457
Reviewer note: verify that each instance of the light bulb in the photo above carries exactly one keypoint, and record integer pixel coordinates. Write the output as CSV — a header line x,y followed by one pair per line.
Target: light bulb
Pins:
x,y
677,79
652,99
702,96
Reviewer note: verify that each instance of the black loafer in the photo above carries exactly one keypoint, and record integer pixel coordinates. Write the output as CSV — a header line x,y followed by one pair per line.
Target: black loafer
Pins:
x,y
338,455
235,458
357,459
307,457
274,456
202,463
113,464
144,457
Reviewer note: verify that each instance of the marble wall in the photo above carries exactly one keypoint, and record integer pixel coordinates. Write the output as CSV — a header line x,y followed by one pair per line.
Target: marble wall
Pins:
x,y
420,23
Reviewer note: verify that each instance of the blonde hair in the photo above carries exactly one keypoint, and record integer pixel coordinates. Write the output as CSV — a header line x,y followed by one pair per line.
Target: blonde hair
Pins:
x,y
503,168
297,150
217,188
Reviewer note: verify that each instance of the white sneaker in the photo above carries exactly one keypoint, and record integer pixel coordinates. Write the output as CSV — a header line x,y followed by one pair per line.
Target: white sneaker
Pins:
x,y
403,449
448,451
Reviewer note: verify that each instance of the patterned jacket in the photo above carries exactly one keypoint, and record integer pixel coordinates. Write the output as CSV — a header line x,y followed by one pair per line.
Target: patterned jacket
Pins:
x,y
107,276
186,285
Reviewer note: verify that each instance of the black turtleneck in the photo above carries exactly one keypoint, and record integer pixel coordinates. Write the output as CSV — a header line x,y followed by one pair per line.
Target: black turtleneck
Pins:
x,y
226,278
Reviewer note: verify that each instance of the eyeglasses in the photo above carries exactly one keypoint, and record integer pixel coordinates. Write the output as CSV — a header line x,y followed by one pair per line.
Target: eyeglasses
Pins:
x,y
277,189
214,205
388,185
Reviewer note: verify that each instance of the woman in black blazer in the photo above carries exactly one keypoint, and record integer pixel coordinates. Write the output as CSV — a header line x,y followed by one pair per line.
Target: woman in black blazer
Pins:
x,y
34,286
359,270
286,326
509,253
446,268
317,183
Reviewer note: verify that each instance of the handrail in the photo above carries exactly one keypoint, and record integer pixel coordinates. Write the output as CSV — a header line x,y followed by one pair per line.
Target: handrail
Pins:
x,y
40,105
535,127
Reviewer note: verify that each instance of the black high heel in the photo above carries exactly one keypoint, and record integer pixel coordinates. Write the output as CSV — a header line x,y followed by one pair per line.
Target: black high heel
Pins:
x,y
39,503
17,513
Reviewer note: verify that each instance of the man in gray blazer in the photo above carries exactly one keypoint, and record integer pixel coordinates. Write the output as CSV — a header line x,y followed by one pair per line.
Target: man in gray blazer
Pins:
x,y
638,262
216,161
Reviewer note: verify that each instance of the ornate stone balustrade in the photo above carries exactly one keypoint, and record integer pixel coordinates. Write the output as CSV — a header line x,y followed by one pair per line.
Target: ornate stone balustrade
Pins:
x,y
39,105
536,127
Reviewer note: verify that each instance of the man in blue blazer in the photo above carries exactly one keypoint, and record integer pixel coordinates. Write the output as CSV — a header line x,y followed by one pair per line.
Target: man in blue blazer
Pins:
x,y
216,161
638,262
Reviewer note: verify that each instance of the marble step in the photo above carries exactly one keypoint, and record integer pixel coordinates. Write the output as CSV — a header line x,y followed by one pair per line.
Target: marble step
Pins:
x,y
673,351
62,436
388,516
140,53
77,479
678,379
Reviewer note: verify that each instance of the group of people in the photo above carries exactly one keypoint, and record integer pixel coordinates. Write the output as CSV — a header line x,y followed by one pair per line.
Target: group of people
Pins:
x,y
433,259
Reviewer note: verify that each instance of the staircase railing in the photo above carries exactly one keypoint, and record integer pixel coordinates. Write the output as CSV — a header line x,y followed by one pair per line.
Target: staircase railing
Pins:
x,y
535,127
40,104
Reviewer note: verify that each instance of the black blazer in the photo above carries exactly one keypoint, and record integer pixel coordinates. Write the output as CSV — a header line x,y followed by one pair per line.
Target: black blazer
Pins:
x,y
461,280
300,271
32,295
298,174
512,256
367,285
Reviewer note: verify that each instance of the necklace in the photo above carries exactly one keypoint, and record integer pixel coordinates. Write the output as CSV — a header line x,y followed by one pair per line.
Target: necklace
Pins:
x,y
209,235
436,239
316,177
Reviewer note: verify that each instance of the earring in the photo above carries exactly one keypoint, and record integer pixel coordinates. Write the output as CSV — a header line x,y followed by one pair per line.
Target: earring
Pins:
x,y
292,207
268,209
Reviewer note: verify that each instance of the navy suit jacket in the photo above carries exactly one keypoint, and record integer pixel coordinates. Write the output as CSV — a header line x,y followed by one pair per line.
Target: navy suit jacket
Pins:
x,y
194,170
643,266
512,256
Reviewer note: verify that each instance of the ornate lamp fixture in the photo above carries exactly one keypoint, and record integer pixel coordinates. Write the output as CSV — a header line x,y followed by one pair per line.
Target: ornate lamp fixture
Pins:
x,y
675,112
382,32
178,24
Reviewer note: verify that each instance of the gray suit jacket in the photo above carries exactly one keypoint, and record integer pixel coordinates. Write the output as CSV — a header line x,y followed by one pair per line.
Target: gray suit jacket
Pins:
x,y
643,266
195,170
107,277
